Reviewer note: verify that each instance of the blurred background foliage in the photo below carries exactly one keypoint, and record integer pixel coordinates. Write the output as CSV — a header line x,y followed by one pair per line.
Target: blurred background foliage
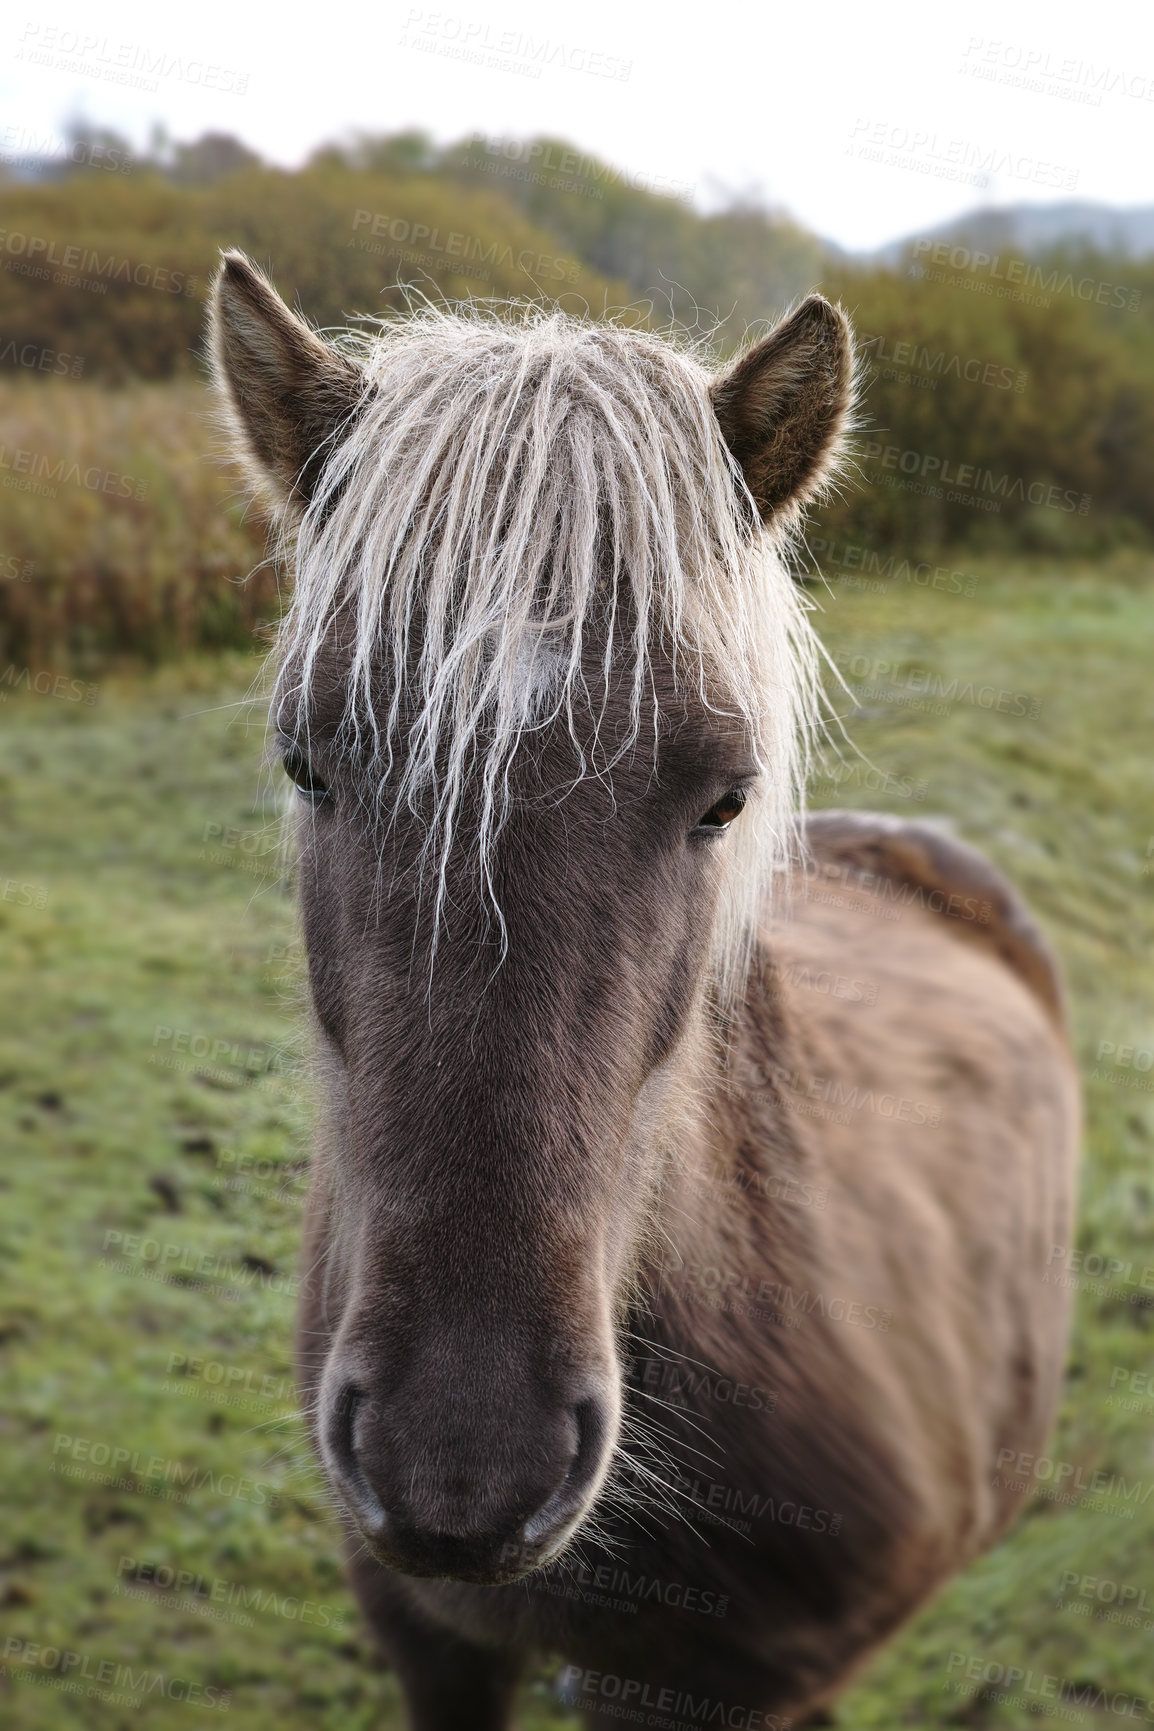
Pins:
x,y
1048,397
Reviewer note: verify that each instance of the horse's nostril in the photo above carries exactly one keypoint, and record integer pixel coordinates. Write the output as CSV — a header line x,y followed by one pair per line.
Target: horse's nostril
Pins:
x,y
342,1450
341,1425
572,1493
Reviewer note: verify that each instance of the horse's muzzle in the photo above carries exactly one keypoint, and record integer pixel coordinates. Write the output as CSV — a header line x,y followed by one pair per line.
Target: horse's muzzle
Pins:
x,y
456,1506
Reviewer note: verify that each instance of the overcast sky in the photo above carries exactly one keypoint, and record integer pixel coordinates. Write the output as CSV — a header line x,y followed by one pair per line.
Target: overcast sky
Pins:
x,y
865,122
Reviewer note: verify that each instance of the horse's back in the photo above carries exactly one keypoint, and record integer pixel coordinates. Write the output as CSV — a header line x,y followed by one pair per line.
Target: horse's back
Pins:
x,y
919,864
929,1078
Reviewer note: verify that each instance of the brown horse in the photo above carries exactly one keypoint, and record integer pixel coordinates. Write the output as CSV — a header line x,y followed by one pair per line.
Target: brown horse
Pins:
x,y
683,1188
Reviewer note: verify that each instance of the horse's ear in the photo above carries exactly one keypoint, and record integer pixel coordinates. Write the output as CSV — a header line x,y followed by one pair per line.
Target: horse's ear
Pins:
x,y
286,390
783,407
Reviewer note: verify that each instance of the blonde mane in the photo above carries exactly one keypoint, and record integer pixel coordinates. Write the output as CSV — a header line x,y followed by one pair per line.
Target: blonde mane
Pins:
x,y
508,498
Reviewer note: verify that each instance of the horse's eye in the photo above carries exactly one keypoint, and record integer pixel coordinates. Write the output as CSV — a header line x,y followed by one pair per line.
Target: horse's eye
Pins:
x,y
299,771
721,815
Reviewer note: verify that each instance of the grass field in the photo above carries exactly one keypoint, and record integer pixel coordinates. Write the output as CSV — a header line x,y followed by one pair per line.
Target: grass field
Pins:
x,y
160,1511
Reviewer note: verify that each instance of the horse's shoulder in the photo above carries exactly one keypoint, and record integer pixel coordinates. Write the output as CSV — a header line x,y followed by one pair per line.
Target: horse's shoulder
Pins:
x,y
947,877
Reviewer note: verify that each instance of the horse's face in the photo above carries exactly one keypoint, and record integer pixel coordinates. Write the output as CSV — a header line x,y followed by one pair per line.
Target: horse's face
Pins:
x,y
493,1114
493,1129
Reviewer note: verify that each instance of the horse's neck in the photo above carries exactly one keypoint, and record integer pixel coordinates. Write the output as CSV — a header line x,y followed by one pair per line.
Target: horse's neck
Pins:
x,y
735,1214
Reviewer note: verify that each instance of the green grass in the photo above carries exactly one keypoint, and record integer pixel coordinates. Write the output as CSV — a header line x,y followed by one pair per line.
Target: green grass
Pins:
x,y
141,916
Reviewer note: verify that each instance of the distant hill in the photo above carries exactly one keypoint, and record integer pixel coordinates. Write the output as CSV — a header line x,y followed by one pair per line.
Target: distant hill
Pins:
x,y
1030,229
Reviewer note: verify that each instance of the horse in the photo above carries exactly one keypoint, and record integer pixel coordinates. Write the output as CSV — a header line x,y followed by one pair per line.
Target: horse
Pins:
x,y
685,1171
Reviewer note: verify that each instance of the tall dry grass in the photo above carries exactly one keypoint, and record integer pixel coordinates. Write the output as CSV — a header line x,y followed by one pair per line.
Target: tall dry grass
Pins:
x,y
122,533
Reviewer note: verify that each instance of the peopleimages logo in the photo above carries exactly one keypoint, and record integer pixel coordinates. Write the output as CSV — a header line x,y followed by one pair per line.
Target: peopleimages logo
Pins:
x,y
1069,1483
1131,1601
212,1375
151,1475
855,557
864,676
730,1506
970,479
549,165
165,1260
88,1675
37,357
912,358
133,65
683,1384
1026,66
22,147
612,1588
27,471
590,1690
475,40
183,1047
957,159
1020,1685
102,268
1016,278
824,981
45,683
